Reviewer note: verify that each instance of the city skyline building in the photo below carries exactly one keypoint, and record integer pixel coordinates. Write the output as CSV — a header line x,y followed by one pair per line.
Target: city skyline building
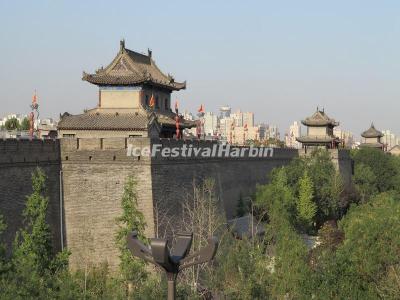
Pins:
x,y
292,135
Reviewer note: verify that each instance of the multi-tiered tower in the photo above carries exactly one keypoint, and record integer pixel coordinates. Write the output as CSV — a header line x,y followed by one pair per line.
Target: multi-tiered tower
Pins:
x,y
319,131
134,101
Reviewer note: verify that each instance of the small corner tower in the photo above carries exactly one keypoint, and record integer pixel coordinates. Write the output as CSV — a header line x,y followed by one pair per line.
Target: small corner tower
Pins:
x,y
319,131
372,138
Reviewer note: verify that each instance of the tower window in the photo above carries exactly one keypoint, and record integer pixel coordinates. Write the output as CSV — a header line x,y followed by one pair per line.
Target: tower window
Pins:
x,y
147,100
157,102
166,104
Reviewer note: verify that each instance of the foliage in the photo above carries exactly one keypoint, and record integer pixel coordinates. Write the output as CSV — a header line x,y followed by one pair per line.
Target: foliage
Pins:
x,y
365,182
3,227
242,270
386,168
132,269
33,265
277,191
242,207
366,264
292,277
12,124
25,124
34,241
357,259
306,208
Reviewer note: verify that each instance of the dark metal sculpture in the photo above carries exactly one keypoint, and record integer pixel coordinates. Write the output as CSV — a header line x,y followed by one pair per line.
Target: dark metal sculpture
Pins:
x,y
175,260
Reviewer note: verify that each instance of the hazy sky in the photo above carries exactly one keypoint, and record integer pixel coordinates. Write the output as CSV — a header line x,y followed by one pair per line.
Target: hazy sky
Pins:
x,y
280,59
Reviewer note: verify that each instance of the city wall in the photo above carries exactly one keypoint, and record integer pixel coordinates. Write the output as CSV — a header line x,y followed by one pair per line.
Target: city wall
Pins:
x,y
93,172
18,159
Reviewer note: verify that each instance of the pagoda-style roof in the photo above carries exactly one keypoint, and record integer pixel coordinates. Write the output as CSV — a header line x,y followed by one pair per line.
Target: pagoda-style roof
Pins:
x,y
133,68
138,121
372,132
319,118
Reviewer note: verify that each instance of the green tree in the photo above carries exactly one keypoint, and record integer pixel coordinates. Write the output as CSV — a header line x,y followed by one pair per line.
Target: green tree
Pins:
x,y
242,270
34,240
306,207
132,269
34,265
3,227
277,191
12,124
242,207
25,124
386,168
292,277
366,264
365,182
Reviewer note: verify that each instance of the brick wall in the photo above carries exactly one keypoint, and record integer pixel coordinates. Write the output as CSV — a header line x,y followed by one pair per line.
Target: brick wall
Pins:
x,y
18,159
93,173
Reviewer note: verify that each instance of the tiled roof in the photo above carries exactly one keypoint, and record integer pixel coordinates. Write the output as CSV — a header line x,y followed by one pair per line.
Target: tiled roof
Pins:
x,y
100,121
319,118
117,121
371,132
132,68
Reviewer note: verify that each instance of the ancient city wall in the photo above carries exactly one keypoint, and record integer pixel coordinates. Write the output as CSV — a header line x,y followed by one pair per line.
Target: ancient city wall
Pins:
x,y
18,159
234,177
93,172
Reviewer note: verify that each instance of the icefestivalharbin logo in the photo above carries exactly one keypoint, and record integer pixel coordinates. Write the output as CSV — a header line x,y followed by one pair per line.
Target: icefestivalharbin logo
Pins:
x,y
201,152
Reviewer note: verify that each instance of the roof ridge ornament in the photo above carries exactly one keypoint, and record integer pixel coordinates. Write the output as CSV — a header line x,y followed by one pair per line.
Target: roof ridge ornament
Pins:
x,y
149,52
122,45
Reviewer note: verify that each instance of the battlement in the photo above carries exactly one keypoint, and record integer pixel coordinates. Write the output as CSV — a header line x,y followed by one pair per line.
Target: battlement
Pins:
x,y
29,151
164,149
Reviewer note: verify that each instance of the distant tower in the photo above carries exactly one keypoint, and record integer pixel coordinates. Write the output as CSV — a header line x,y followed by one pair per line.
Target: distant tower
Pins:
x,y
319,131
372,138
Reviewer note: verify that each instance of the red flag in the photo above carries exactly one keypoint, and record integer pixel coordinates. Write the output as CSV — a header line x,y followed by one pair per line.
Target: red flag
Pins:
x,y
201,109
34,98
152,101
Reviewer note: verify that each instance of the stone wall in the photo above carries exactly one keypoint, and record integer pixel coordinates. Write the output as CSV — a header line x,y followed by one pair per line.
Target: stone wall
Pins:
x,y
173,178
93,172
18,159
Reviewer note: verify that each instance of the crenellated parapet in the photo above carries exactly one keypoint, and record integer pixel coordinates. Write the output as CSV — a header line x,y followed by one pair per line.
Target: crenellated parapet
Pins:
x,y
14,151
163,150
86,179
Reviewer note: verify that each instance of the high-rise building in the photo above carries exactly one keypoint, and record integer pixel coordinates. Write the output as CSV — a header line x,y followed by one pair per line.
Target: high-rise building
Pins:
x,y
292,135
248,119
210,124
238,117
389,139
272,132
345,136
